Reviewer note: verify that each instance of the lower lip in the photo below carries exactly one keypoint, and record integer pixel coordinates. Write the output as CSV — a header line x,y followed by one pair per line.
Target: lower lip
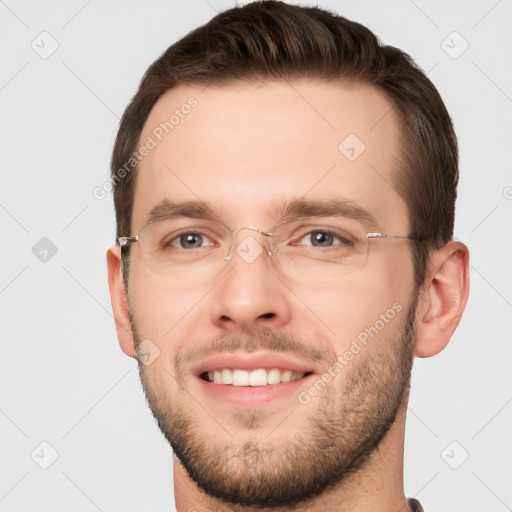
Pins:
x,y
252,396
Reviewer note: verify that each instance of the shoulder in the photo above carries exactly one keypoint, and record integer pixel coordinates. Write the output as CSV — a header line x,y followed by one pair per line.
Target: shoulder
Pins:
x,y
415,505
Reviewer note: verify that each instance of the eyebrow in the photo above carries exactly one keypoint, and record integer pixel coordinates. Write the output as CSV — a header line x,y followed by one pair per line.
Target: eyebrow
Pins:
x,y
333,207
166,209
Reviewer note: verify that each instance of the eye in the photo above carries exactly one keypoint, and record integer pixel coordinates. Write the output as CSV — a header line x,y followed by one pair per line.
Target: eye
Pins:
x,y
324,238
189,240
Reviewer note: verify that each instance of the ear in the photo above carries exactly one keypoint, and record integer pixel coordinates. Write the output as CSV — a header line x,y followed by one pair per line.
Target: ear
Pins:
x,y
119,301
442,299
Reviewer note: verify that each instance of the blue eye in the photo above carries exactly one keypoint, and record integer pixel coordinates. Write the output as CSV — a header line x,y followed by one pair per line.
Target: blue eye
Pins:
x,y
320,238
323,238
190,240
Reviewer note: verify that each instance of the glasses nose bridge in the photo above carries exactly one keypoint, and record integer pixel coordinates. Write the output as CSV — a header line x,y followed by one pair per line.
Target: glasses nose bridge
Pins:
x,y
266,235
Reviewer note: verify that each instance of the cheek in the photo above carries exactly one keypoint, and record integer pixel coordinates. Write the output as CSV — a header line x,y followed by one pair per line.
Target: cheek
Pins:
x,y
161,310
364,302
347,312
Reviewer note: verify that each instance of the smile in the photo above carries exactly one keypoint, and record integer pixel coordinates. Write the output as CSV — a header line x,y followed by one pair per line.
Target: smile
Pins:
x,y
257,377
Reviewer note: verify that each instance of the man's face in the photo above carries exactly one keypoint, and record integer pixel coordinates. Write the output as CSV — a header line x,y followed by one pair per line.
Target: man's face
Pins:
x,y
249,151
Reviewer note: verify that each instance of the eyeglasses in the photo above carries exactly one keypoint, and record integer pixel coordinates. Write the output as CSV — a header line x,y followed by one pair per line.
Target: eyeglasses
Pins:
x,y
318,247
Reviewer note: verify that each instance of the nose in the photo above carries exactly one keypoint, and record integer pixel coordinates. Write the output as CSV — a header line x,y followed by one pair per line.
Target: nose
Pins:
x,y
251,295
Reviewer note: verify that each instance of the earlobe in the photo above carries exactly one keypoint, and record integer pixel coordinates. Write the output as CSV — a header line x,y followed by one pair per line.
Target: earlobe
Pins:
x,y
442,299
119,301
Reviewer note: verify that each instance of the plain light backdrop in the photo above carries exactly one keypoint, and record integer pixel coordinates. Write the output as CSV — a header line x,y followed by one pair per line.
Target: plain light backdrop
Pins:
x,y
68,69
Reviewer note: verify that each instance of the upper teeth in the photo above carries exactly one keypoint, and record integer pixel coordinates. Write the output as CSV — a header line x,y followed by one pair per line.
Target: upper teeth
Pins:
x,y
259,377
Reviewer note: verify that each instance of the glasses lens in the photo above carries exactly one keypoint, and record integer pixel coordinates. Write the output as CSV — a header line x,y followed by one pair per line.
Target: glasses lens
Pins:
x,y
320,247
184,248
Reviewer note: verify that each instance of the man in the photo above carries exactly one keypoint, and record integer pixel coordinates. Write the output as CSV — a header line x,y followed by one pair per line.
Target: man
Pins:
x,y
284,193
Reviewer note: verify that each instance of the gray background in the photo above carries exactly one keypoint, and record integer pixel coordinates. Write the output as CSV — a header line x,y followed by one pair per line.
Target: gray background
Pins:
x,y
63,379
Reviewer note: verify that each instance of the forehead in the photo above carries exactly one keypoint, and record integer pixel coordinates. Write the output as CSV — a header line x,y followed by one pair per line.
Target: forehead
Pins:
x,y
245,147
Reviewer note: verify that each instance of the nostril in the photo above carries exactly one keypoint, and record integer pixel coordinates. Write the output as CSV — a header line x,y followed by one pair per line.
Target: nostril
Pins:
x,y
267,315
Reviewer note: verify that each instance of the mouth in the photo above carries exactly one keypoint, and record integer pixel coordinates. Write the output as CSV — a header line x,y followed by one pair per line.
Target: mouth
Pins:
x,y
253,380
257,377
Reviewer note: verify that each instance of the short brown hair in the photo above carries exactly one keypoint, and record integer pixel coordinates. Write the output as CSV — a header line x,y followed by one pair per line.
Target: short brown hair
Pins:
x,y
272,40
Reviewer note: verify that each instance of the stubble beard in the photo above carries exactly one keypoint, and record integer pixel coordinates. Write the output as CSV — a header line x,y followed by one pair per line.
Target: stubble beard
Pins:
x,y
343,428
